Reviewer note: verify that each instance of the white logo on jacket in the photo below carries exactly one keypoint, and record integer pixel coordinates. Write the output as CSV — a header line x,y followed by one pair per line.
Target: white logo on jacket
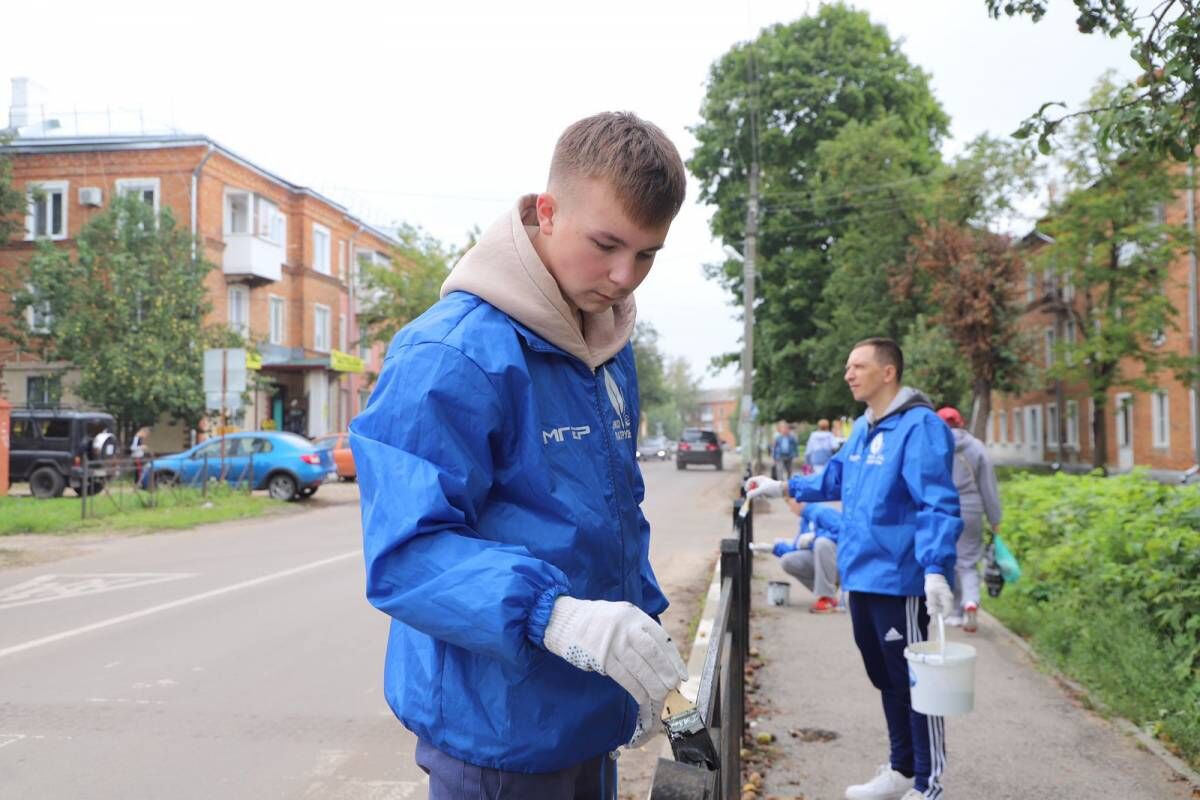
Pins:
x,y
576,432
622,425
876,454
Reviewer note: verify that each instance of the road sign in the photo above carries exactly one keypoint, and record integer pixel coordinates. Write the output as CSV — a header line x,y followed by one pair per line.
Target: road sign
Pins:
x,y
224,378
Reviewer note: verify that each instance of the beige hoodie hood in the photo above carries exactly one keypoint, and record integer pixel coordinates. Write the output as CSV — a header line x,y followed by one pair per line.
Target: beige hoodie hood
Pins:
x,y
504,270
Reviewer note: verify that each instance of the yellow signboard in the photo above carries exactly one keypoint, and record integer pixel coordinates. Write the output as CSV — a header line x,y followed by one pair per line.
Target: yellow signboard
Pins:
x,y
344,362
253,360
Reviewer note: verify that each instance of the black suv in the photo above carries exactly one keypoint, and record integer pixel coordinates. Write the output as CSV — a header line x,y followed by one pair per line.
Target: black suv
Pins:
x,y
698,446
47,447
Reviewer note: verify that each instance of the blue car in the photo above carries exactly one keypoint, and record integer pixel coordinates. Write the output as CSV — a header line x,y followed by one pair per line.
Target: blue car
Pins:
x,y
288,466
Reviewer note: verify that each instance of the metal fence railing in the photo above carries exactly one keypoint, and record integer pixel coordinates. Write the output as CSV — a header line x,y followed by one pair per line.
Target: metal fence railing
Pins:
x,y
706,741
121,484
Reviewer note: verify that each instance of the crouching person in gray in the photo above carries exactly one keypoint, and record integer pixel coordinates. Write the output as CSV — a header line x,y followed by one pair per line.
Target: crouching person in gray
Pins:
x,y
812,557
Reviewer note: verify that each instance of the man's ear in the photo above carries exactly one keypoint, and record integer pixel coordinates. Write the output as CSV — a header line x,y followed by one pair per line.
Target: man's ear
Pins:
x,y
547,207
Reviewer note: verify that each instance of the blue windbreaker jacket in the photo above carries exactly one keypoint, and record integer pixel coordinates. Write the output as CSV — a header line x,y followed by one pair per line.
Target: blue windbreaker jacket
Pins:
x,y
823,520
497,473
900,515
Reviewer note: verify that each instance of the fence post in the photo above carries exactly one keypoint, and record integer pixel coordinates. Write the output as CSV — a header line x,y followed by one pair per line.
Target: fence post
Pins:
x,y
83,490
204,478
733,683
250,475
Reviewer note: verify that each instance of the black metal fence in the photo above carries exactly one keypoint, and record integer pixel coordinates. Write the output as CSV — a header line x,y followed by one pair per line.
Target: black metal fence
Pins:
x,y
706,741
129,483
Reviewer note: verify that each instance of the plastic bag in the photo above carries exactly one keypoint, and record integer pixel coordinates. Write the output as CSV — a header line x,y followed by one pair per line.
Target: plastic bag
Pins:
x,y
1006,561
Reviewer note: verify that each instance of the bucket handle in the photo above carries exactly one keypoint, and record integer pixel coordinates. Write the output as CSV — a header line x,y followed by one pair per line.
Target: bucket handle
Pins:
x,y
941,636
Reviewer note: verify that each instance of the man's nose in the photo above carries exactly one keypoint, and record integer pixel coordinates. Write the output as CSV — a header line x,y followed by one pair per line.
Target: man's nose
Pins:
x,y
623,274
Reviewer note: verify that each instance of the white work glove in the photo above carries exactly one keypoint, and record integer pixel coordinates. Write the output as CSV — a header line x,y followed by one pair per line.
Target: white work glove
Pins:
x,y
805,540
618,640
649,725
763,486
939,600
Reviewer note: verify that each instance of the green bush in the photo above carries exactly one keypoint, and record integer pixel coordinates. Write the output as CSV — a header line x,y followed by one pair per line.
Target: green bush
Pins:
x,y
1110,591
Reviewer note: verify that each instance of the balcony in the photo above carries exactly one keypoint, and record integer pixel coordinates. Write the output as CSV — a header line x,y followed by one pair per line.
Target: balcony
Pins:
x,y
252,258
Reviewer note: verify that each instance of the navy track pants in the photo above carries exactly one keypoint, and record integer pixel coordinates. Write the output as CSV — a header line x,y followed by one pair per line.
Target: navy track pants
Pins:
x,y
883,625
451,779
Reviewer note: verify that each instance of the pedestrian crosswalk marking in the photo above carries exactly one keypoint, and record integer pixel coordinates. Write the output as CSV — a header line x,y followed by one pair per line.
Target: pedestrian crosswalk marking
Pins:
x,y
45,588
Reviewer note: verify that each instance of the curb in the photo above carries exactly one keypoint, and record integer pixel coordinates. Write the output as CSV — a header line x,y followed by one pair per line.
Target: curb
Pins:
x,y
1174,762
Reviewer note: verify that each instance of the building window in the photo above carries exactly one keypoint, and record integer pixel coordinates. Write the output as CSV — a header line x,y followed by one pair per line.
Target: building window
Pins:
x,y
1125,421
321,328
1052,426
46,217
277,309
1069,340
237,212
1092,423
239,310
38,314
1073,424
342,331
43,391
1030,287
1002,422
145,188
1160,419
269,223
1018,426
1050,342
321,244
342,260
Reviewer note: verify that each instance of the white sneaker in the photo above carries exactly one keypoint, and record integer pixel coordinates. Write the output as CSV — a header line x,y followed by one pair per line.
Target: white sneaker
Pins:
x,y
954,621
886,785
913,794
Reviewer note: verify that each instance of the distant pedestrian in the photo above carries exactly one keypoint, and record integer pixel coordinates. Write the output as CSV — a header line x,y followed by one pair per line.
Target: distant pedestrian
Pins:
x,y
137,450
978,495
820,447
900,522
783,450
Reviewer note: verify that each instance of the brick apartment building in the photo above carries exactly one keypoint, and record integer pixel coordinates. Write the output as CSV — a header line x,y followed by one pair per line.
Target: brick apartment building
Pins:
x,y
1156,429
286,263
715,408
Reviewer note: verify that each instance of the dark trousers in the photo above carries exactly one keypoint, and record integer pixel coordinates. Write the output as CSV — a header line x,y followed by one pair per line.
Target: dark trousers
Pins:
x,y
883,625
451,779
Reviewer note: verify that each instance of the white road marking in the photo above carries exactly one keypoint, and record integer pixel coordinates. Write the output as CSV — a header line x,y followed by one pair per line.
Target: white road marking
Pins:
x,y
45,588
184,601
8,738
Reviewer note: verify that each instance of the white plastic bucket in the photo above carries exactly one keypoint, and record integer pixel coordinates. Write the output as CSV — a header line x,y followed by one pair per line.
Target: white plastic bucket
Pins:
x,y
941,677
777,592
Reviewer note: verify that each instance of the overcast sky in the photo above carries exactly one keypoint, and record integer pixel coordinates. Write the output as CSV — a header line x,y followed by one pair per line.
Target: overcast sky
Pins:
x,y
440,114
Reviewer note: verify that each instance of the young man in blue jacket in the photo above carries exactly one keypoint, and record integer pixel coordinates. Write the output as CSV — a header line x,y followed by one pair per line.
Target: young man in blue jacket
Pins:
x,y
811,557
501,495
900,524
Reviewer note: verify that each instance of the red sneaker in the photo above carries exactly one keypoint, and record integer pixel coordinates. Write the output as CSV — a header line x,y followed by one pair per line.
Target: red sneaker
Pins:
x,y
824,605
970,620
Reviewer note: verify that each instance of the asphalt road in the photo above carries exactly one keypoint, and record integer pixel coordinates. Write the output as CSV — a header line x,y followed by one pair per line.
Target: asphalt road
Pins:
x,y
240,660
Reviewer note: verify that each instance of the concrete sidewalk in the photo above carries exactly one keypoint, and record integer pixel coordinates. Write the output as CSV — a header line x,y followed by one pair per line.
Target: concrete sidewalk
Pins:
x,y
1027,738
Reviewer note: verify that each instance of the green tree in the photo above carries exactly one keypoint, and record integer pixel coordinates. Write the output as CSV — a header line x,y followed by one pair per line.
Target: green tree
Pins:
x,y
863,259
1110,251
127,310
394,293
1159,112
777,98
12,200
933,363
681,399
652,389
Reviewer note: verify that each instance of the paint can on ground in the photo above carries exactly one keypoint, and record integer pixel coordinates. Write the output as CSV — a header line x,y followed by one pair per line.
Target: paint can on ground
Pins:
x,y
777,593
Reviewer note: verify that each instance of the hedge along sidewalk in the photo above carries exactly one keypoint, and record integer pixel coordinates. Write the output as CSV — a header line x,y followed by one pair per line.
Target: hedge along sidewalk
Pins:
x,y
175,510
1110,593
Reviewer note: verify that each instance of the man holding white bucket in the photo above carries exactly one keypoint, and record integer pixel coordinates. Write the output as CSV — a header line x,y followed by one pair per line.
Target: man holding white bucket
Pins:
x,y
900,525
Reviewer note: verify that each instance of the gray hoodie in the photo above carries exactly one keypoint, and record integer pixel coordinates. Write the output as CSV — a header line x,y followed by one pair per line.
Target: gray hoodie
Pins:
x,y
974,477
504,269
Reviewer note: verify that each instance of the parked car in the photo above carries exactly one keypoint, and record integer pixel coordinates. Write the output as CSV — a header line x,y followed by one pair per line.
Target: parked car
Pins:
x,y
288,466
654,447
697,446
339,445
47,447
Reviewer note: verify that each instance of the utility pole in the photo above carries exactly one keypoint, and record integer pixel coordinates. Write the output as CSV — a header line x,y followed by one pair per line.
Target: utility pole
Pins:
x,y
746,435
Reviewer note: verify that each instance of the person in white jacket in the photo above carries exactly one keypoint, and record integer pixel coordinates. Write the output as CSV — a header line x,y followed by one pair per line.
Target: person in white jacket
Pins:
x,y
978,495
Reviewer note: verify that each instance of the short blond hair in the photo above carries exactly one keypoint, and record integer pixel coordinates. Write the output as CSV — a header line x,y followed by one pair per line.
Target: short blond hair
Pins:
x,y
634,156
823,424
